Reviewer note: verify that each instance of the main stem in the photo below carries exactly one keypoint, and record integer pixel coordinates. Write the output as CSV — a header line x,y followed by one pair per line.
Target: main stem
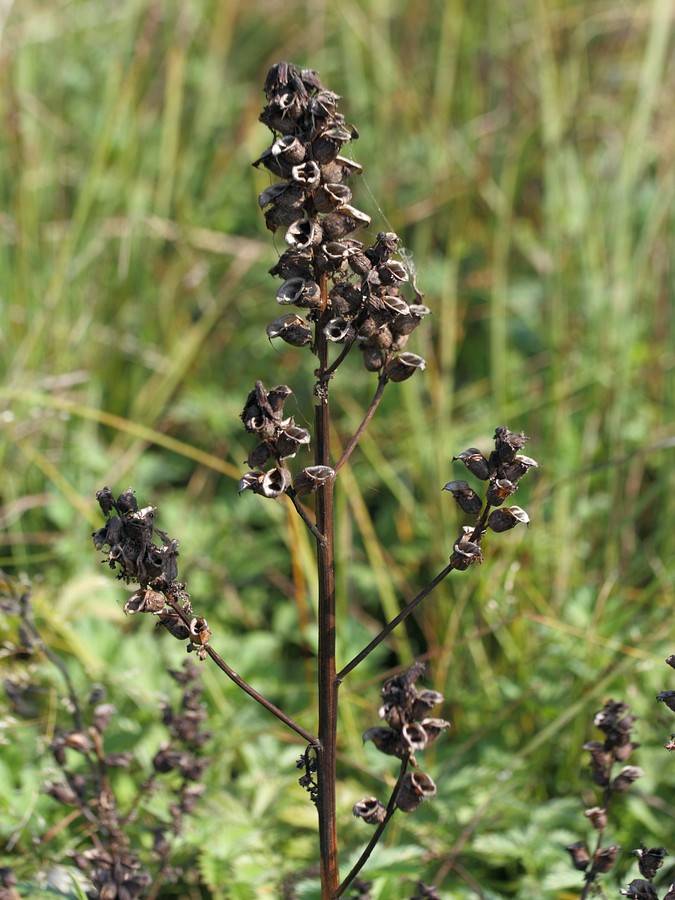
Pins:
x,y
327,682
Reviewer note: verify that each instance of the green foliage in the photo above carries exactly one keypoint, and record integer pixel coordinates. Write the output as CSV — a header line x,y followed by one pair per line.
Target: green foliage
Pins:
x,y
523,150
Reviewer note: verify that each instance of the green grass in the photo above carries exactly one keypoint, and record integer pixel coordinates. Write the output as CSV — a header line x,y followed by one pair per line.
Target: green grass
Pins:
x,y
524,153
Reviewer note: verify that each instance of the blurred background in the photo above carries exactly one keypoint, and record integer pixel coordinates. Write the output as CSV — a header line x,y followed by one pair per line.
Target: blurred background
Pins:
x,y
524,150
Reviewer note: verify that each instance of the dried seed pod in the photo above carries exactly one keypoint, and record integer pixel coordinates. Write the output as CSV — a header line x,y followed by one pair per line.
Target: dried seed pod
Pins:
x,y
327,145
290,440
415,736
506,518
291,329
307,174
251,481
387,741
338,330
498,491
293,263
289,150
639,889
303,234
339,224
401,367
145,600
520,466
649,861
370,810
415,787
597,816
392,272
465,551
434,728
373,358
331,196
626,777
311,478
275,482
667,697
423,703
475,462
300,292
508,444
580,855
467,499
339,170
603,859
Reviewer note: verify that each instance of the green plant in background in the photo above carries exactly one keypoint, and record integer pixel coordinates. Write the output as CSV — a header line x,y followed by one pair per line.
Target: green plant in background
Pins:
x,y
530,168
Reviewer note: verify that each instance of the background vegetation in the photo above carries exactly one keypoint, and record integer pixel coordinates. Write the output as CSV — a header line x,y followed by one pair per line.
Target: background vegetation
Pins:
x,y
525,152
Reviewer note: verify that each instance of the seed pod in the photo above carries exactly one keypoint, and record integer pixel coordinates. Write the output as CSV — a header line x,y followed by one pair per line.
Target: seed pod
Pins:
x,y
387,741
603,859
293,263
498,491
342,222
300,292
475,462
506,518
423,702
434,728
310,479
292,329
307,174
467,499
373,358
401,367
415,736
328,144
303,234
275,482
289,441
626,777
392,272
597,817
415,787
289,150
331,196
339,170
338,330
370,810
580,855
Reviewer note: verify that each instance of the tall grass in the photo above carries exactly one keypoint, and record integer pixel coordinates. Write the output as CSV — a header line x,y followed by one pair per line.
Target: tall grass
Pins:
x,y
526,154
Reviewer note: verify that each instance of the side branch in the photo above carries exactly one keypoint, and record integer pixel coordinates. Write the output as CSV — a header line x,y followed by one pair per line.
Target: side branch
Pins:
x,y
391,809
356,437
244,685
386,631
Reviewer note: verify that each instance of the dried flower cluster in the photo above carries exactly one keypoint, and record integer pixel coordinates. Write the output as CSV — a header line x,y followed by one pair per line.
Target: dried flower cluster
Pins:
x,y
350,294
503,470
112,863
130,539
409,730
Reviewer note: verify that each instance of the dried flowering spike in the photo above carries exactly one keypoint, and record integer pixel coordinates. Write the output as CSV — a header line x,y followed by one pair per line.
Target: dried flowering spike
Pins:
x,y
370,810
650,861
415,787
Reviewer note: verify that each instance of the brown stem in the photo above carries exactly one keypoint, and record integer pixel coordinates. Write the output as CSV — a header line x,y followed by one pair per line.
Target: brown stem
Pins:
x,y
356,437
327,683
391,809
302,512
386,631
244,685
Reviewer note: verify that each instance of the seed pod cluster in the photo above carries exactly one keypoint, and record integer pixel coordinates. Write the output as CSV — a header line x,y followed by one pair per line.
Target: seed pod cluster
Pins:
x,y
353,292
409,730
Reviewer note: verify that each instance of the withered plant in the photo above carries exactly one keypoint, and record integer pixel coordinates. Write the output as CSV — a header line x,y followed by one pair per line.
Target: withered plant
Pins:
x,y
347,299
